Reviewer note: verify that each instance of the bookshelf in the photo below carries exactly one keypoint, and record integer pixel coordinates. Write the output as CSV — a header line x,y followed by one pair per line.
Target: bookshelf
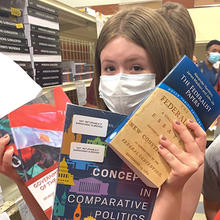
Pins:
x,y
78,36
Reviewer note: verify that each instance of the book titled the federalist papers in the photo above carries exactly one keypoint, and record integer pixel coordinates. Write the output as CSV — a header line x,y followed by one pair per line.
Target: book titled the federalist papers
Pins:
x,y
93,182
183,94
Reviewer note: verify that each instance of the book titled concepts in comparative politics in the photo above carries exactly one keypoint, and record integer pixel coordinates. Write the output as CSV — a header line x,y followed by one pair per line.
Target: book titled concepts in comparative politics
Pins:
x,y
93,182
183,94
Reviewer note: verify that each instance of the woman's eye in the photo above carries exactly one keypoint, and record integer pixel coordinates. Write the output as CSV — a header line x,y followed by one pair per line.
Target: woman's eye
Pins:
x,y
109,68
137,68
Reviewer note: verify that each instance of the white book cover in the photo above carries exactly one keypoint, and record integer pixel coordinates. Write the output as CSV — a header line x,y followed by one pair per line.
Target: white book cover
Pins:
x,y
16,86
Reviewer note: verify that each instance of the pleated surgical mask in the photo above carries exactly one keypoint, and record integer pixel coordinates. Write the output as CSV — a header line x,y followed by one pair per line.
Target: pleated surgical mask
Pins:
x,y
122,93
214,57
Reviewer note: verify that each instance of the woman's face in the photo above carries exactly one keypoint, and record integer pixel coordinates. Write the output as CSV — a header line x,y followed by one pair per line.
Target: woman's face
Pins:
x,y
123,56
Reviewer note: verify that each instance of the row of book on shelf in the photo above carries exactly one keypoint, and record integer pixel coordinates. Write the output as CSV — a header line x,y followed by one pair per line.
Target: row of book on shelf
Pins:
x,y
80,163
29,34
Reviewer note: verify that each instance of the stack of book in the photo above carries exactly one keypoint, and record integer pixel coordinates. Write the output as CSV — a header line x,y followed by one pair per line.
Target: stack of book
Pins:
x,y
42,32
77,71
13,42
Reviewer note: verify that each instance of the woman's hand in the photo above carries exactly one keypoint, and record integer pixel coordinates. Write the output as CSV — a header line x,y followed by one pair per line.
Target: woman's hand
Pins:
x,y
6,159
183,163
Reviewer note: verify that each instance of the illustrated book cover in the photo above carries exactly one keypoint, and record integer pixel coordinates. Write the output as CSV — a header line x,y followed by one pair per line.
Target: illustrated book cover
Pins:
x,y
183,94
93,182
36,131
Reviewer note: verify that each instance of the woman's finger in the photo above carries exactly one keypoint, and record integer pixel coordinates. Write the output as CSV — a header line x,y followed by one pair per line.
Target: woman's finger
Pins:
x,y
199,134
7,158
184,157
3,142
188,139
177,167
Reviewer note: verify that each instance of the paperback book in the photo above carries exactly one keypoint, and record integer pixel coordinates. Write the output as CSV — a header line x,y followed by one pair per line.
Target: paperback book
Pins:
x,y
93,182
37,130
183,94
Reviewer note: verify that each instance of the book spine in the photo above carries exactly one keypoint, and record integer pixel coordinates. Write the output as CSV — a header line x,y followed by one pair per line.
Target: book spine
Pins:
x,y
42,15
24,65
46,65
48,72
44,30
7,23
43,7
10,11
36,43
11,33
49,82
46,50
13,41
36,36
13,48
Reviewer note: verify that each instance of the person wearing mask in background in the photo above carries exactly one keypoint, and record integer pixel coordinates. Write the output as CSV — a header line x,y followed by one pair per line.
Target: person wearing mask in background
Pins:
x,y
131,50
212,56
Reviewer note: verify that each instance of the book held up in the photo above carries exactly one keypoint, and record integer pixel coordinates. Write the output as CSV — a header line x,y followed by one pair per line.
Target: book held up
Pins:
x,y
183,94
93,182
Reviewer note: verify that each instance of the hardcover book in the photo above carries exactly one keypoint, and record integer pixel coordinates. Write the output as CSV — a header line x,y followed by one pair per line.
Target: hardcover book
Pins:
x,y
48,72
47,65
8,23
93,182
41,14
37,130
45,37
14,48
46,50
19,33
13,41
41,6
43,30
44,44
28,19
183,94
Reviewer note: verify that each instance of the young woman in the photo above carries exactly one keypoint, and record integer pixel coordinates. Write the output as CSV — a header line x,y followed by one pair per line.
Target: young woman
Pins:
x,y
136,49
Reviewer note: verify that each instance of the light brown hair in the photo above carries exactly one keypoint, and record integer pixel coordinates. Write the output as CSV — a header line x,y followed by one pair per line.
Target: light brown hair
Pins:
x,y
146,28
181,25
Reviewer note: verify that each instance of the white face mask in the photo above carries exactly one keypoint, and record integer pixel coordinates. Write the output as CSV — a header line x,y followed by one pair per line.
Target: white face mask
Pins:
x,y
122,93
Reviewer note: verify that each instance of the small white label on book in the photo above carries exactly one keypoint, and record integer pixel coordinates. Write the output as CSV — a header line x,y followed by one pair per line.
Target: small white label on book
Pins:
x,y
87,152
89,125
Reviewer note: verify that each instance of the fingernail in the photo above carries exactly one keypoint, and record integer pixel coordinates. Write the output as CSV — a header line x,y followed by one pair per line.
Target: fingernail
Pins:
x,y
161,147
6,136
177,122
163,138
191,121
